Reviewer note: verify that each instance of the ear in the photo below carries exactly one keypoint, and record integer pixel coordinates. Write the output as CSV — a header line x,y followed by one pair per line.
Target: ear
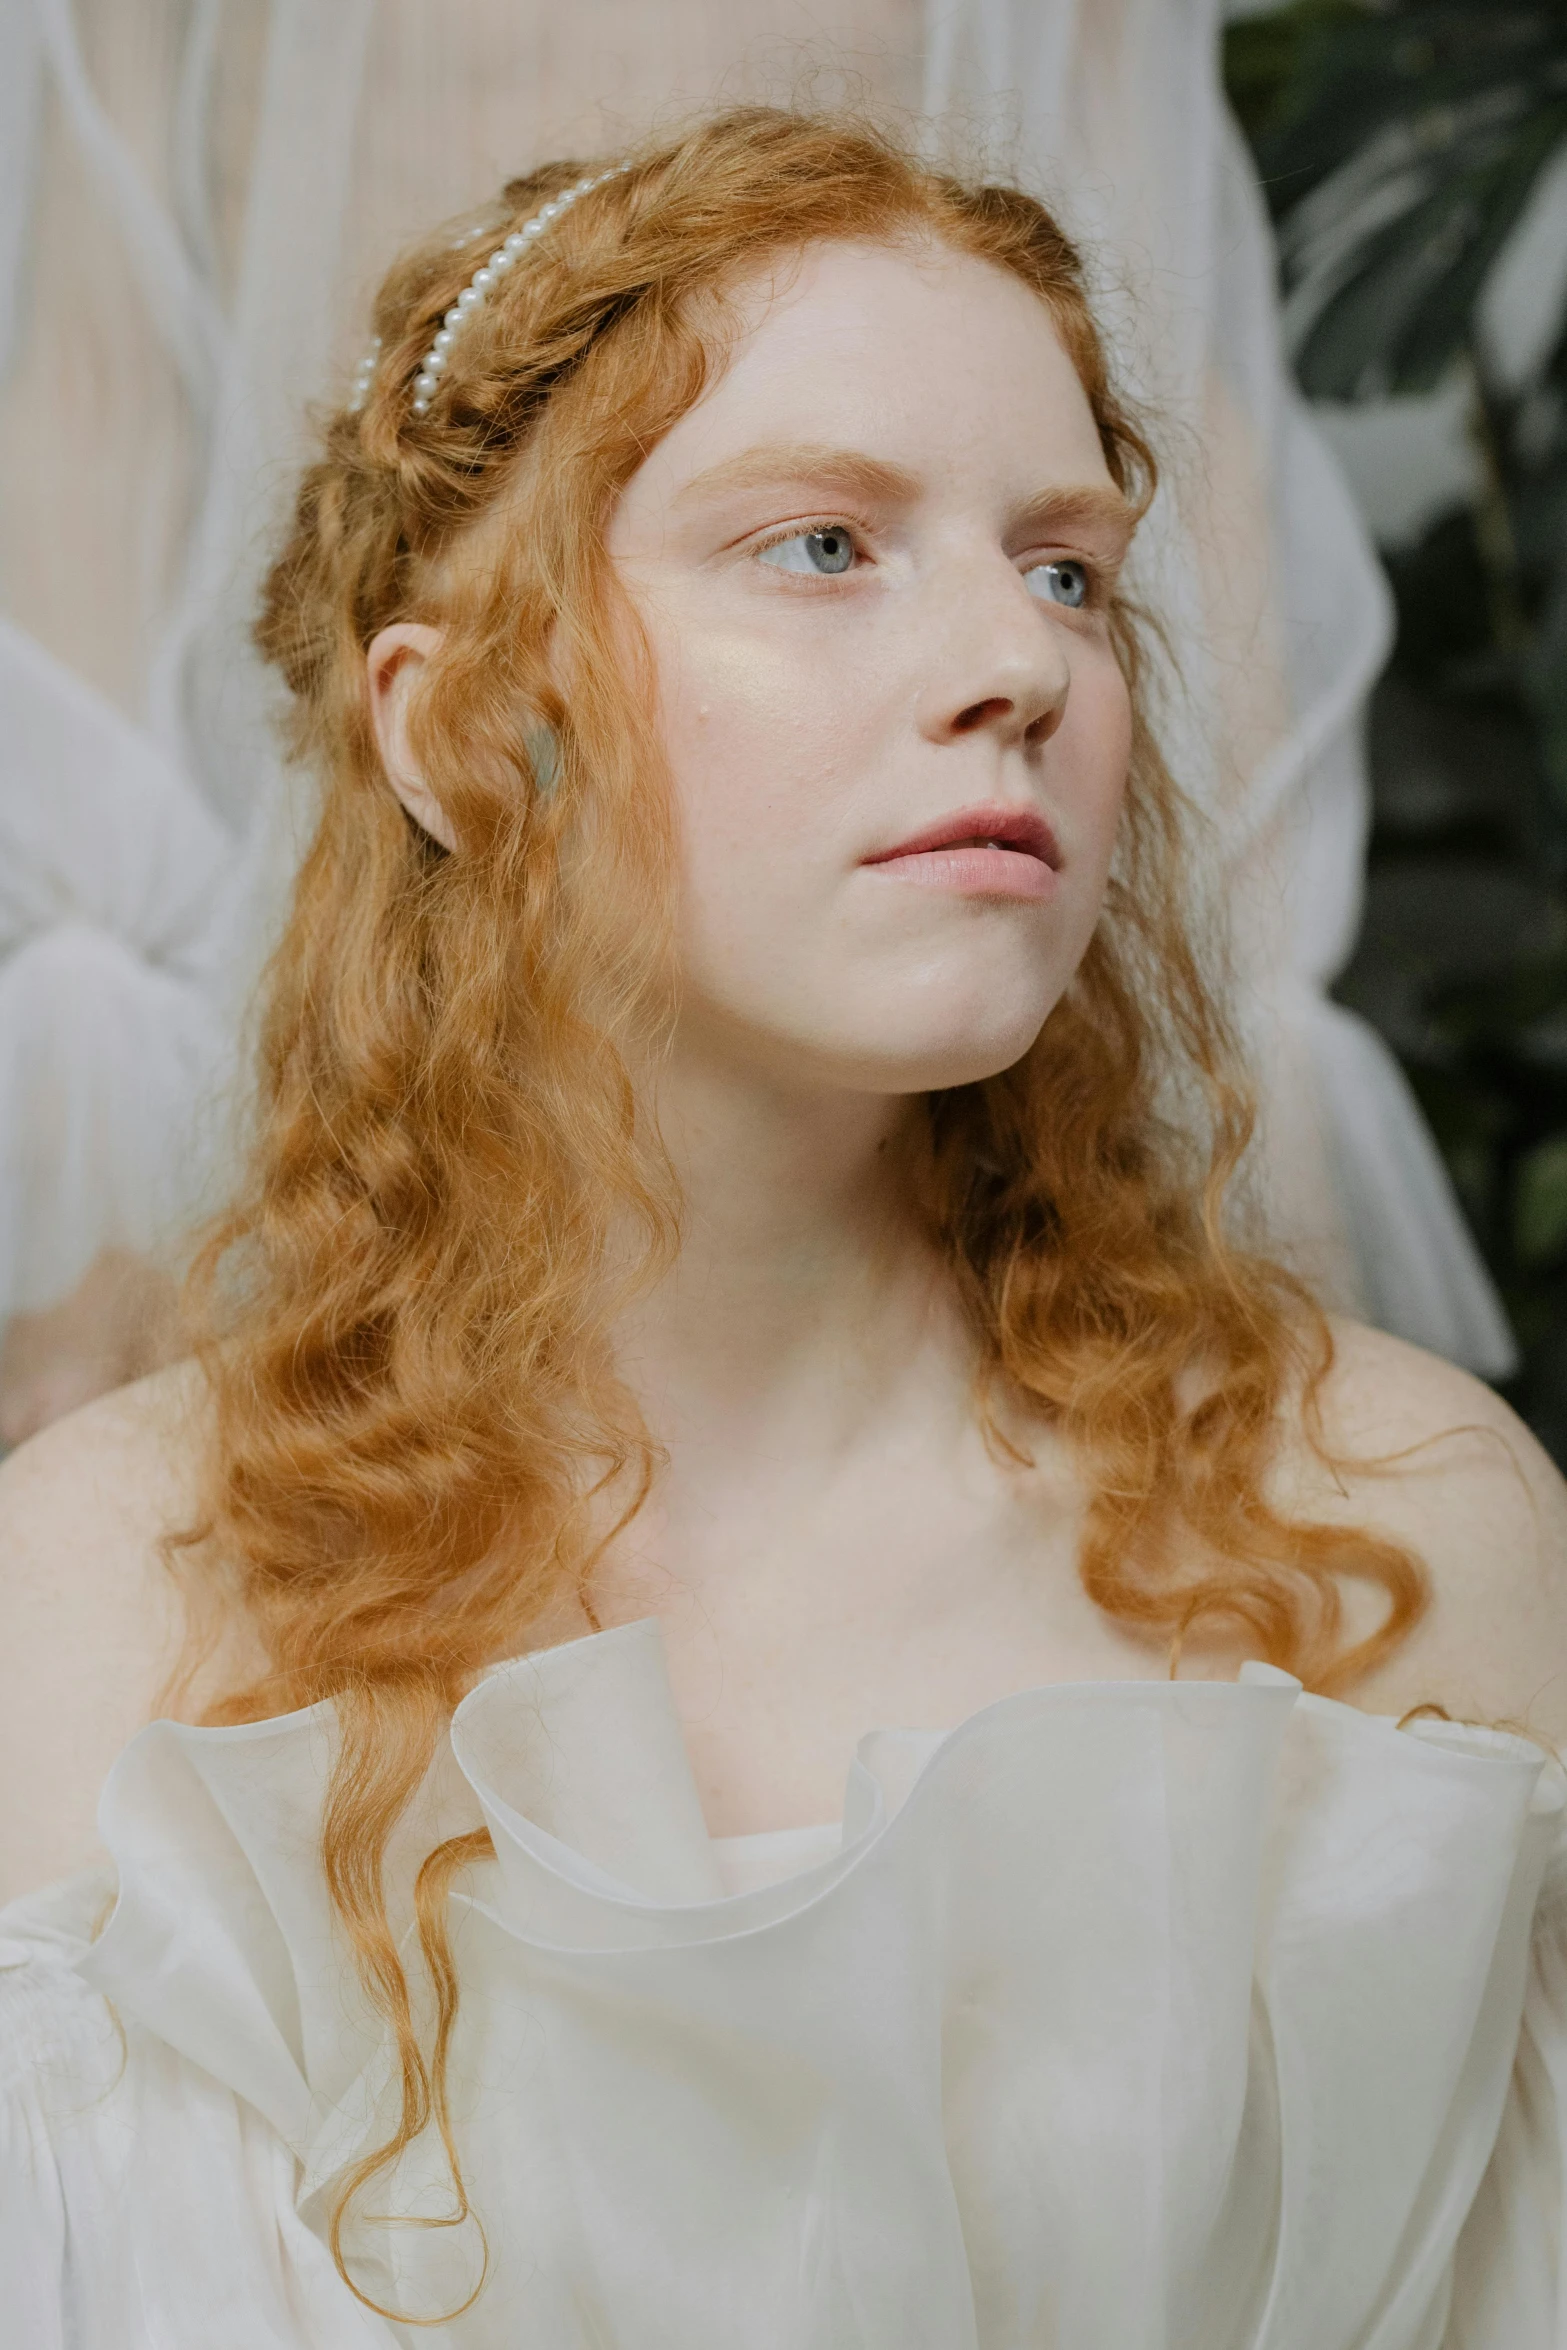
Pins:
x,y
395,665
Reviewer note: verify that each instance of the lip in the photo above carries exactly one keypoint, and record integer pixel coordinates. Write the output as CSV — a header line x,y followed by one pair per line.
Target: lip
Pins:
x,y
990,850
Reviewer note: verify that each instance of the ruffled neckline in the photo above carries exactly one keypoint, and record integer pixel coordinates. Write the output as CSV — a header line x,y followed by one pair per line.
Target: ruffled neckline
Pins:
x,y
223,1942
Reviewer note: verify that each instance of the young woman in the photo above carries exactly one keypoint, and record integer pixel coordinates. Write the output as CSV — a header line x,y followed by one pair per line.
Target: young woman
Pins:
x,y
730,1396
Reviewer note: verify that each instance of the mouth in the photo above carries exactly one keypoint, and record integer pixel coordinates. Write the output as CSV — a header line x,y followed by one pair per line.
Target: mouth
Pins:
x,y
987,851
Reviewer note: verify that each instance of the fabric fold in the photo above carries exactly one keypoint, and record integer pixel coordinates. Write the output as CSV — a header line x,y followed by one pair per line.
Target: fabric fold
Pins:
x,y
1124,2016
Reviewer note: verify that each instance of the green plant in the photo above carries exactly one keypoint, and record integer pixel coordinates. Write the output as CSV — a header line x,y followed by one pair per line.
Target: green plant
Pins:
x,y
1399,147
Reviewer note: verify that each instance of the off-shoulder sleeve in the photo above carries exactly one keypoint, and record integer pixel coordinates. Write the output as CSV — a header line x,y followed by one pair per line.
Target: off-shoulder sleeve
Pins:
x,y
1510,2270
142,2203
36,2057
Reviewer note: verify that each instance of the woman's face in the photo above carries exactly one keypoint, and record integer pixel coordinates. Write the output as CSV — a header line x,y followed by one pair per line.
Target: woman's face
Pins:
x,y
874,565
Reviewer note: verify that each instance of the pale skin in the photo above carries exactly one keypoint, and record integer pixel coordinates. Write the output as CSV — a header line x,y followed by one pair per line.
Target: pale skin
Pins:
x,y
871,565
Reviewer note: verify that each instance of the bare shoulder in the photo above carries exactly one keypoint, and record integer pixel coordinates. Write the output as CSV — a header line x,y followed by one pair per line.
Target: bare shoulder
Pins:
x,y
1434,1459
91,1620
128,1454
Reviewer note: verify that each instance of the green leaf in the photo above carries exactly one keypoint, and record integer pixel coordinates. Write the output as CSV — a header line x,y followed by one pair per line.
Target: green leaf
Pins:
x,y
1263,56
1540,1203
1398,301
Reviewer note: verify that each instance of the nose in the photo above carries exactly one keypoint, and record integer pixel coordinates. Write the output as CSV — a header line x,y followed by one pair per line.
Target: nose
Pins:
x,y
997,666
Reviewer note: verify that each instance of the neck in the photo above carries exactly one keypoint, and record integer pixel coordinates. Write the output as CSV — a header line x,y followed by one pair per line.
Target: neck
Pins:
x,y
806,1292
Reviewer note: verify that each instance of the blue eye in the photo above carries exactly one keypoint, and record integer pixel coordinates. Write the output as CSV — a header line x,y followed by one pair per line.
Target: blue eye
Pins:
x,y
1061,582
825,552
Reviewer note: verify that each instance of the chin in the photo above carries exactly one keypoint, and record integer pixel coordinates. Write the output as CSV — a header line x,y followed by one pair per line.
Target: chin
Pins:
x,y
938,1072
901,1032
964,1054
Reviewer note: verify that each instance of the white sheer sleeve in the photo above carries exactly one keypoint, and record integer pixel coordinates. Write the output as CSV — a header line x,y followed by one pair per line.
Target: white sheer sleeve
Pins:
x,y
1510,2273
142,2203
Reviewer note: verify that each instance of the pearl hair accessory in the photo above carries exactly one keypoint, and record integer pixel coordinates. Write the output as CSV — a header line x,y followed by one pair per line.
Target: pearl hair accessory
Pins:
x,y
362,375
434,363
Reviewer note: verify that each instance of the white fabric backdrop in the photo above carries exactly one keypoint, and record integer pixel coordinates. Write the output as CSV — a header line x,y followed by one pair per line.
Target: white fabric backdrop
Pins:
x,y
194,201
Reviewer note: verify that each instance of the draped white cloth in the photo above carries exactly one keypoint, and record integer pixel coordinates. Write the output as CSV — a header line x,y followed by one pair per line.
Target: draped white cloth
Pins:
x,y
1126,2016
144,850
166,316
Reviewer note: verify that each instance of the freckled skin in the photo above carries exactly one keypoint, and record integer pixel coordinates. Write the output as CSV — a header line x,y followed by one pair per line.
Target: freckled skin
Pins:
x,y
814,721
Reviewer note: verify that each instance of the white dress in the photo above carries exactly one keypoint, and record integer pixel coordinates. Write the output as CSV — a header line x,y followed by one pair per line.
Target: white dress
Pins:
x,y
1126,2016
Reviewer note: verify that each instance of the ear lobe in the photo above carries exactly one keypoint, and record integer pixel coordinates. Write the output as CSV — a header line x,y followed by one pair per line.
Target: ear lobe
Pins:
x,y
426,811
395,665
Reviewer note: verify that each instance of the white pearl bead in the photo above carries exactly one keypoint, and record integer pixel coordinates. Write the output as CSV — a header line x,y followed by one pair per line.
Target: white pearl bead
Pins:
x,y
435,361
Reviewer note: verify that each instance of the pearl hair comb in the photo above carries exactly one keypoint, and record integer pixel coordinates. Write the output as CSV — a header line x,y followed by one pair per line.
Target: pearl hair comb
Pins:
x,y
489,273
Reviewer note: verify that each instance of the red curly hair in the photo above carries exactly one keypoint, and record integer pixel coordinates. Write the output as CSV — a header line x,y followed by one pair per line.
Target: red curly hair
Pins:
x,y
421,1441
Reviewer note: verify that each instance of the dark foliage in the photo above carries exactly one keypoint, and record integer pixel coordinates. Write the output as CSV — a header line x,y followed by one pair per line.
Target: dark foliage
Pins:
x,y
1399,146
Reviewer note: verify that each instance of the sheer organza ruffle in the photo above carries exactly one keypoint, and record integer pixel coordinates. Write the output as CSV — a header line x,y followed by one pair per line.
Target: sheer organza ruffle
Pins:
x,y
1165,2016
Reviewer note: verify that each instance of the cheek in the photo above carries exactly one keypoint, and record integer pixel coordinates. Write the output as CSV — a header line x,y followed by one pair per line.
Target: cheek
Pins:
x,y
1094,751
759,772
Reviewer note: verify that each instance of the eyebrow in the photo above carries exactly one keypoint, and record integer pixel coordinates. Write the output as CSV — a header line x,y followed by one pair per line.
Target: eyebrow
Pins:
x,y
849,470
853,473
1088,505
